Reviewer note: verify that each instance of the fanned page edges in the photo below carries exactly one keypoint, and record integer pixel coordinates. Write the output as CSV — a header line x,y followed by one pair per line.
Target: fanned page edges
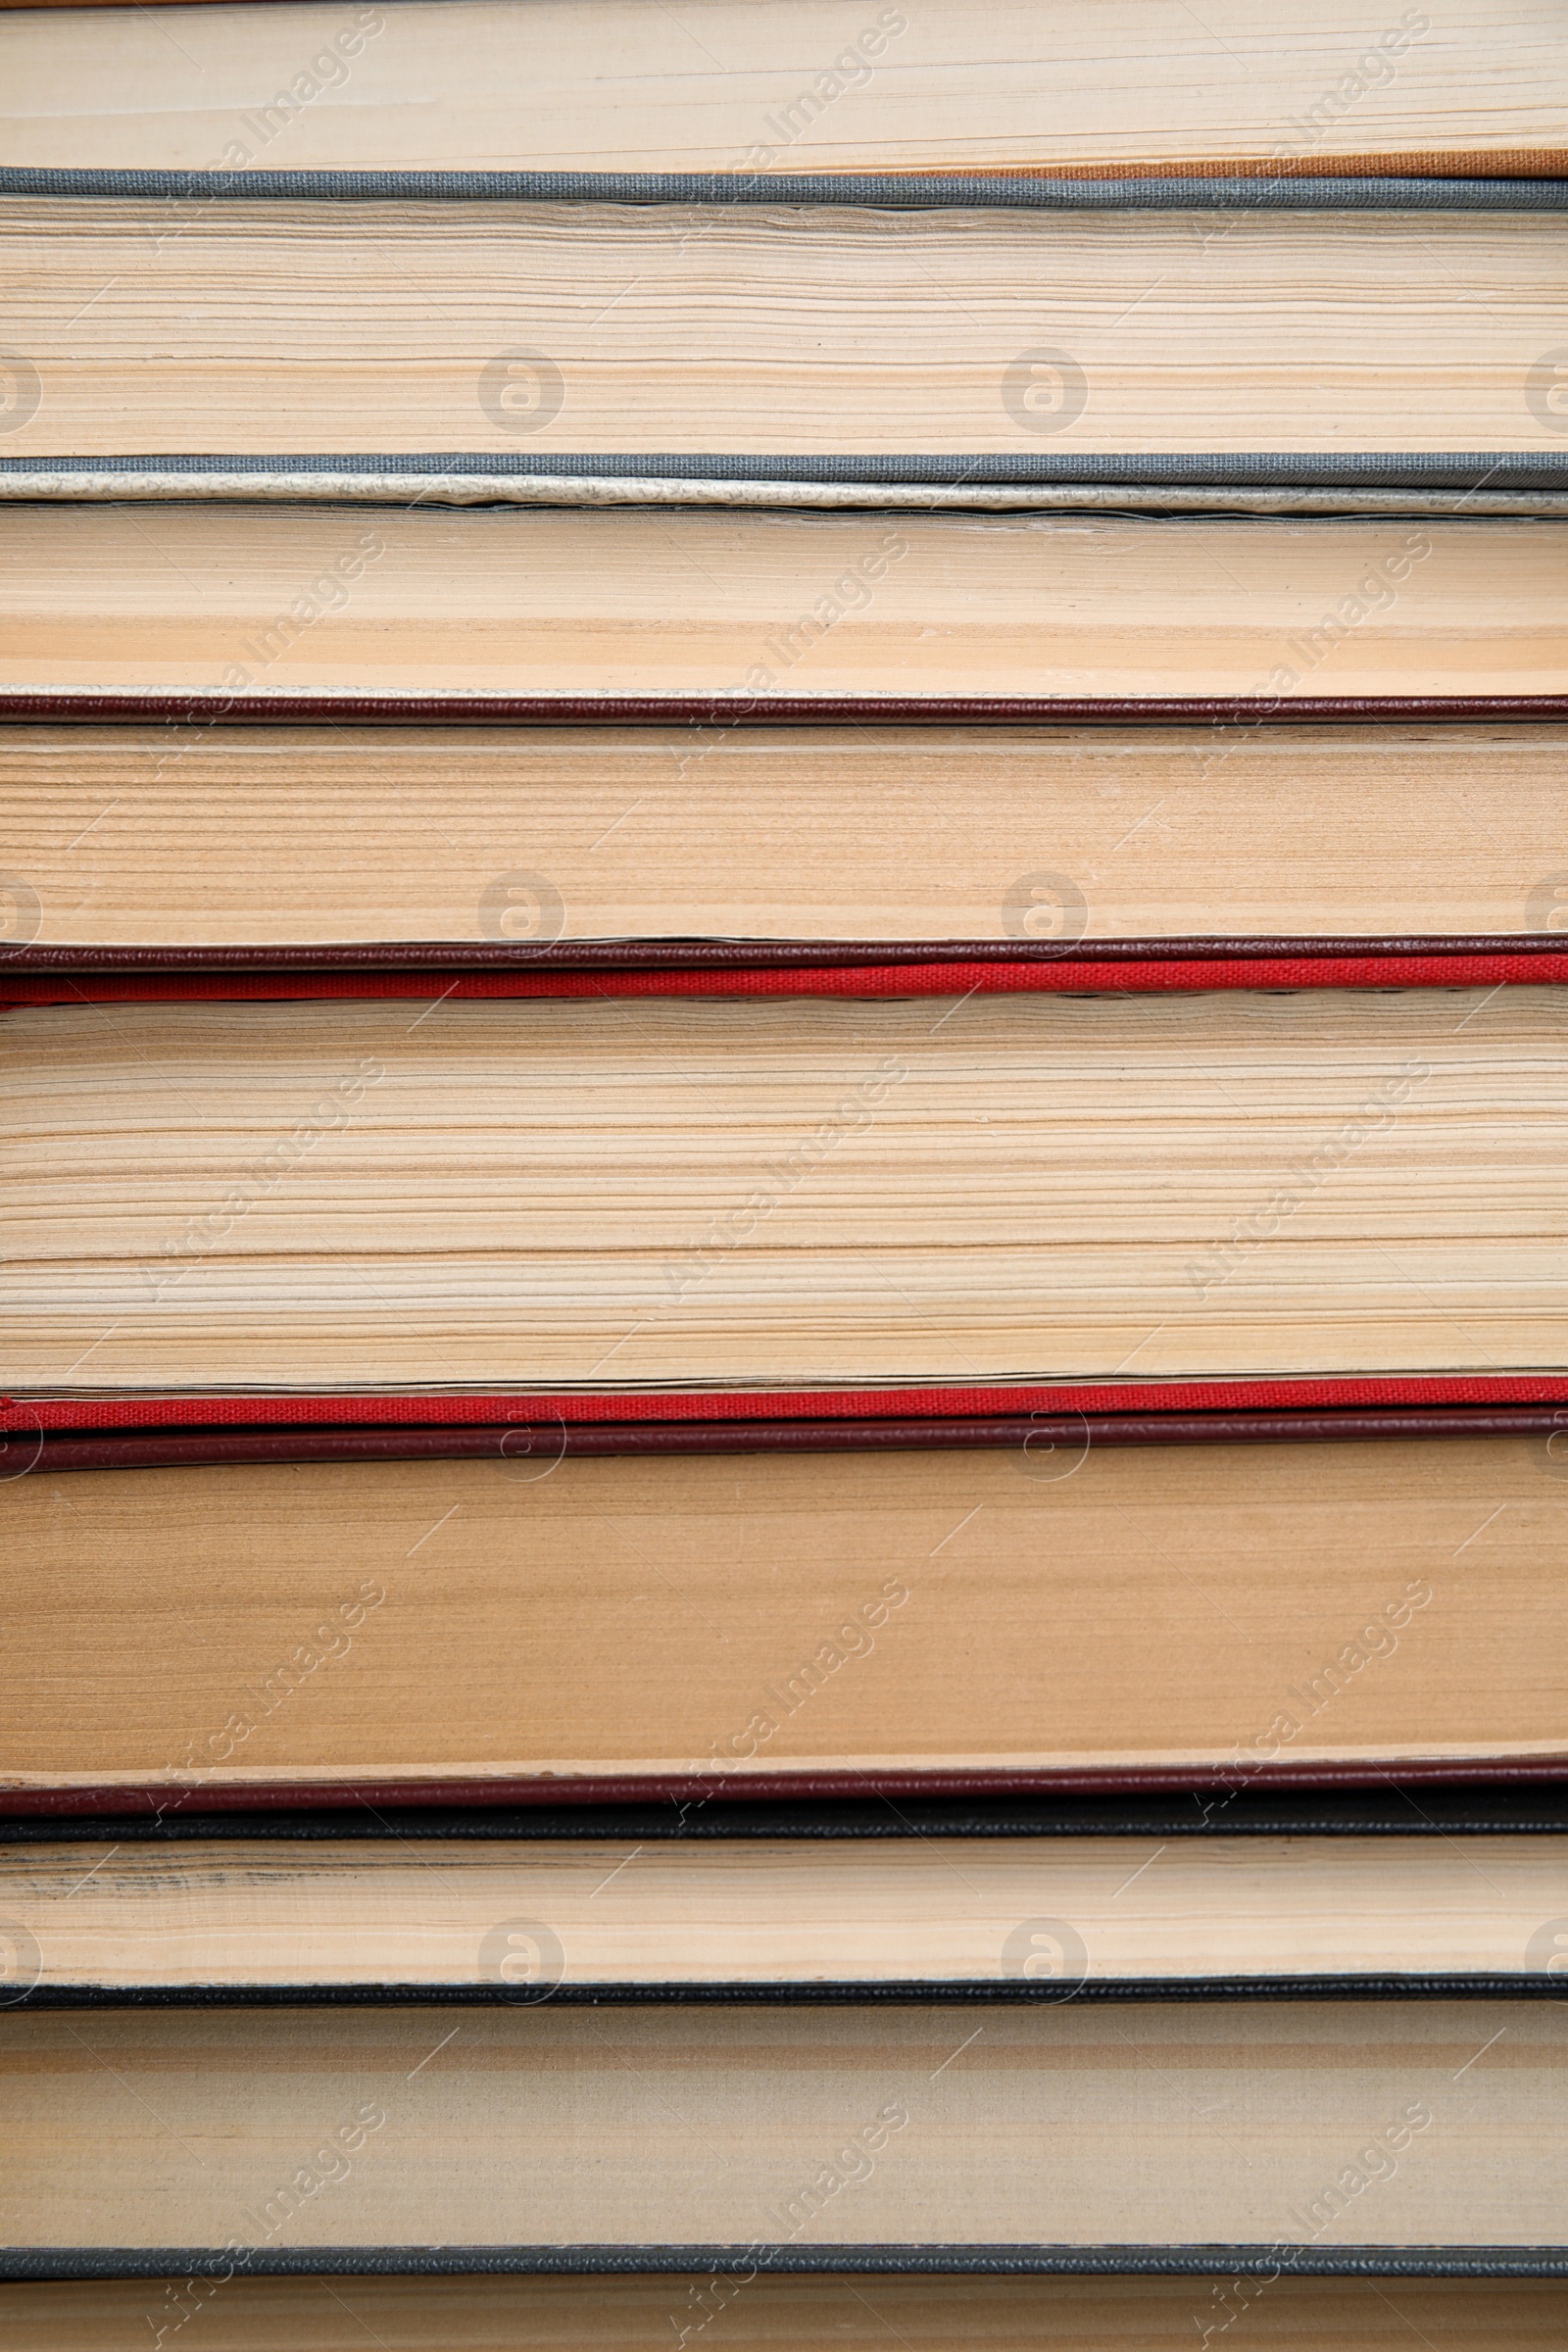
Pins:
x,y
776,836
791,1919
1013,1345
987,91
511,614
1288,330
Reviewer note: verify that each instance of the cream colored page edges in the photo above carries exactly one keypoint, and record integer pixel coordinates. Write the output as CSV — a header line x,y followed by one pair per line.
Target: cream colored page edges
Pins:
x,y
262,600
801,1191
420,1911
235,329
1060,2124
1239,1606
252,835
796,86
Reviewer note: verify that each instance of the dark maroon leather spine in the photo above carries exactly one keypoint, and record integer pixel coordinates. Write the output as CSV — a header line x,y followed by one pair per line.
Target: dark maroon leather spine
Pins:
x,y
715,1787
166,1449
767,710
750,954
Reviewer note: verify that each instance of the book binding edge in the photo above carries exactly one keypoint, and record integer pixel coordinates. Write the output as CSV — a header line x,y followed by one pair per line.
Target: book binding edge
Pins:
x,y
809,1992
962,2261
717,1785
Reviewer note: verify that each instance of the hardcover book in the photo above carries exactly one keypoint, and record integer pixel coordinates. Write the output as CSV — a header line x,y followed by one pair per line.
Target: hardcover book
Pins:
x,y
330,1601
1335,2137
254,321
732,89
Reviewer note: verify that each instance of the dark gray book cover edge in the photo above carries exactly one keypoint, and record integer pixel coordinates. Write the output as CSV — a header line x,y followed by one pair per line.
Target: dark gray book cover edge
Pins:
x,y
1331,470
1035,191
745,2262
1388,1810
911,1993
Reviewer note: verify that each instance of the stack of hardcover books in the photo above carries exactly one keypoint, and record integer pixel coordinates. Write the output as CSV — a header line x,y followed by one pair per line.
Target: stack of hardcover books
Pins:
x,y
786,1447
